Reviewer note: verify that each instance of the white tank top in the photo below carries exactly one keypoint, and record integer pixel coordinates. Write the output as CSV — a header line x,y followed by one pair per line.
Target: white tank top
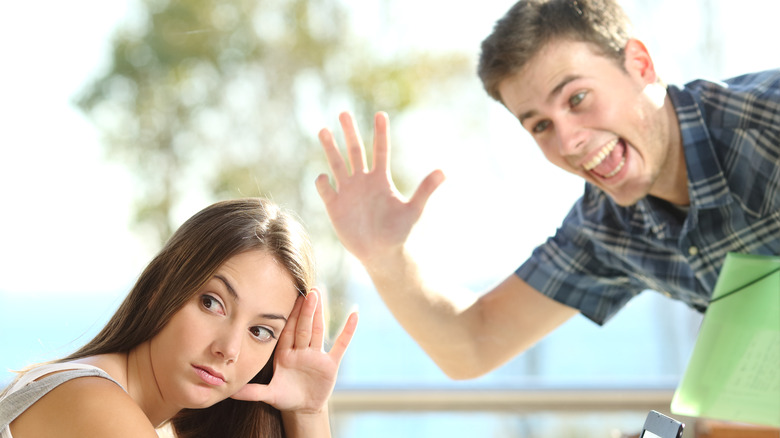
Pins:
x,y
27,390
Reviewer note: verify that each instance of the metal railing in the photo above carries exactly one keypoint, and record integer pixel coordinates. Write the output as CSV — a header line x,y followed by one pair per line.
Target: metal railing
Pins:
x,y
501,400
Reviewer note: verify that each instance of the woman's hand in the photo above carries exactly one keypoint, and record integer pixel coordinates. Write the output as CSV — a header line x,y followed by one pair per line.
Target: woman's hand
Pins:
x,y
304,374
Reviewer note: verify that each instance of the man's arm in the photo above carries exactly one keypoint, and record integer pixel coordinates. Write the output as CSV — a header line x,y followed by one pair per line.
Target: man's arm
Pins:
x,y
470,339
373,221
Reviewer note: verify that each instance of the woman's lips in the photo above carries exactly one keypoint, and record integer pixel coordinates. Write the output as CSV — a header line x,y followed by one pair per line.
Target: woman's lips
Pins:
x,y
209,376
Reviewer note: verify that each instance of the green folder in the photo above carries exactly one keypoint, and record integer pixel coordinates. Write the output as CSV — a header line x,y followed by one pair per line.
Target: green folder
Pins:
x,y
734,370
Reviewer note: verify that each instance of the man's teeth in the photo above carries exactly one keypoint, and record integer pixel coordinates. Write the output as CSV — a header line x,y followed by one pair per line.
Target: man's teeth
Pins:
x,y
603,153
617,169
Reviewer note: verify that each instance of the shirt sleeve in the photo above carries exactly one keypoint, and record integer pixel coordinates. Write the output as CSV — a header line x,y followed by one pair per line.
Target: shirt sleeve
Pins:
x,y
568,268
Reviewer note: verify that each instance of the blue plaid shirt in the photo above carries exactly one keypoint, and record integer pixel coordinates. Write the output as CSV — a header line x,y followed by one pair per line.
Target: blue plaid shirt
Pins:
x,y
604,254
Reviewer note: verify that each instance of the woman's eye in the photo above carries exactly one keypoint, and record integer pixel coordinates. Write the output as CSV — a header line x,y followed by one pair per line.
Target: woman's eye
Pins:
x,y
540,127
212,304
577,98
262,334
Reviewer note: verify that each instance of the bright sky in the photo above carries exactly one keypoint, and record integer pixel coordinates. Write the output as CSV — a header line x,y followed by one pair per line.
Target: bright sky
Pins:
x,y
65,209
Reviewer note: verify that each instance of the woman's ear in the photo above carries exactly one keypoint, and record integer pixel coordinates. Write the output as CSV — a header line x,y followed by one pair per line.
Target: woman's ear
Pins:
x,y
638,62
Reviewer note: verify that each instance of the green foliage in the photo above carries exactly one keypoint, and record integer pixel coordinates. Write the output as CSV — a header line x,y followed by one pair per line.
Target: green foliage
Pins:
x,y
213,99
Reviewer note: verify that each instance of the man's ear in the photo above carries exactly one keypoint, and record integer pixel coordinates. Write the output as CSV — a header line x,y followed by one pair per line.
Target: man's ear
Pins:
x,y
638,62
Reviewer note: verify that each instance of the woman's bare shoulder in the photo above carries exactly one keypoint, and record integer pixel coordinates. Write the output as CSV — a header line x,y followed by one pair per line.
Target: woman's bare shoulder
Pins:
x,y
85,406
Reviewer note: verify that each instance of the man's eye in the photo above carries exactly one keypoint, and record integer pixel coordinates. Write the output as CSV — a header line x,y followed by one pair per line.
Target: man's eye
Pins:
x,y
541,126
577,98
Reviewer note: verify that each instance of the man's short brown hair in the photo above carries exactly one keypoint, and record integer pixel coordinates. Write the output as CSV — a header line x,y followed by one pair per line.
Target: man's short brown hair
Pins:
x,y
531,24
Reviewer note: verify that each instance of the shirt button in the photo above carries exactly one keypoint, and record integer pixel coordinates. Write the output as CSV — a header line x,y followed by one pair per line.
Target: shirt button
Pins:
x,y
693,250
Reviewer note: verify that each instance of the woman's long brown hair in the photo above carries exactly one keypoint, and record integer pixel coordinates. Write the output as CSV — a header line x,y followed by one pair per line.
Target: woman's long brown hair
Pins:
x,y
186,262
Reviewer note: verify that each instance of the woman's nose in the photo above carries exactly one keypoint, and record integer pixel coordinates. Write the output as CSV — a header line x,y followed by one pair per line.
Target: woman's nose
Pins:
x,y
227,346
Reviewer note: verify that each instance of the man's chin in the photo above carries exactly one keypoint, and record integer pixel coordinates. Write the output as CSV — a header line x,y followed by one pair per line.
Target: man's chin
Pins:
x,y
624,199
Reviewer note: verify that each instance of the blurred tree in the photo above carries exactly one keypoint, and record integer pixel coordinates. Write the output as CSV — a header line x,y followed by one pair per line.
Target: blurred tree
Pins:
x,y
208,99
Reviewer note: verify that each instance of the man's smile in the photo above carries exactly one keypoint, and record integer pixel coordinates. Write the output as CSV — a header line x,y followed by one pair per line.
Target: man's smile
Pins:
x,y
608,161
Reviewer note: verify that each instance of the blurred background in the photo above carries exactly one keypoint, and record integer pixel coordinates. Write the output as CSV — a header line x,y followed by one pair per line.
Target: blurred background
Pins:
x,y
122,119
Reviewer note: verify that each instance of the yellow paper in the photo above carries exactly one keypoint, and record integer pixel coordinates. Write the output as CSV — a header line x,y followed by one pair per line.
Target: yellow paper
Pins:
x,y
734,371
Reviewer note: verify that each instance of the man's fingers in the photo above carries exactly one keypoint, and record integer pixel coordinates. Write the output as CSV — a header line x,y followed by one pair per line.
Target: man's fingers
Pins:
x,y
381,142
355,151
335,160
326,191
426,188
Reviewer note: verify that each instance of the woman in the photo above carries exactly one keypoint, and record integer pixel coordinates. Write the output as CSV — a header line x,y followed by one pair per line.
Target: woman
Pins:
x,y
217,338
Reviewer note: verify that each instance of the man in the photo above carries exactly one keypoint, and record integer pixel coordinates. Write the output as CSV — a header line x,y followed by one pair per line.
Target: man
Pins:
x,y
676,178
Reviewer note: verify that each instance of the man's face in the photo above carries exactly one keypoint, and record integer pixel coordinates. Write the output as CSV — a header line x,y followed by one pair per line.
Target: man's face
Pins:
x,y
593,118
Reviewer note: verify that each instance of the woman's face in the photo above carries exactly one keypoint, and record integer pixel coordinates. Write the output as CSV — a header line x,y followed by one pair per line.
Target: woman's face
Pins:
x,y
225,334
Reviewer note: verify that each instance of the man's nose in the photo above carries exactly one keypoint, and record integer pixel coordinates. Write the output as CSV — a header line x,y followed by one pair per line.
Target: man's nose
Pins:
x,y
571,136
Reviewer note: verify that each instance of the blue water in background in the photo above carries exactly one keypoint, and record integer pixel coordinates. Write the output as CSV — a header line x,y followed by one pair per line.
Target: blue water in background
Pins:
x,y
41,327
647,345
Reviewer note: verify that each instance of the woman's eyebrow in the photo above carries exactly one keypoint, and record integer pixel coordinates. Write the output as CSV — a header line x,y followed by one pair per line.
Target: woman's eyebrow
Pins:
x,y
274,316
228,286
234,294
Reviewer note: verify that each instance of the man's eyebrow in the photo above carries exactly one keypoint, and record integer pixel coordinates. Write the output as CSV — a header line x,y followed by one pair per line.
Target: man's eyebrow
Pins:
x,y
228,286
554,92
526,115
557,90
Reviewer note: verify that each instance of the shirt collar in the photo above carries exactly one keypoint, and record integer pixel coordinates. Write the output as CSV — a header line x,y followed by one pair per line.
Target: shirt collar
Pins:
x,y
707,184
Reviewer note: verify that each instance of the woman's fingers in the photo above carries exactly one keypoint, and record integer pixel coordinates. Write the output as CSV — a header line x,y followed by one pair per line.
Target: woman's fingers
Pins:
x,y
252,392
306,326
287,338
344,338
303,330
318,323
